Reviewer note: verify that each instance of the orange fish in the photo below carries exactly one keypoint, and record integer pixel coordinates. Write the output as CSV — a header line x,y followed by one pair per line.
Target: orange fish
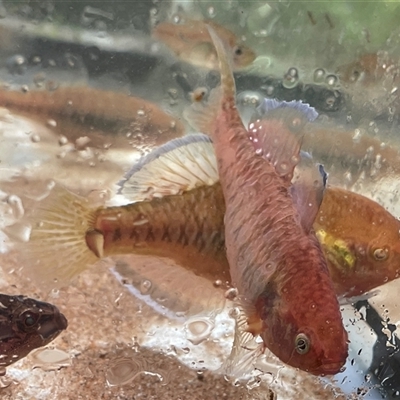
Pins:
x,y
192,43
276,261
369,69
361,241
78,111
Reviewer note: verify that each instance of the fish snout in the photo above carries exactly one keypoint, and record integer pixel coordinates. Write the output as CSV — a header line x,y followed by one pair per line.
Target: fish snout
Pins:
x,y
53,325
330,368
61,321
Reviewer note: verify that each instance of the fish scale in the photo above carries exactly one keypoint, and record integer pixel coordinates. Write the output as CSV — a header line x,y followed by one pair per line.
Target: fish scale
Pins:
x,y
276,248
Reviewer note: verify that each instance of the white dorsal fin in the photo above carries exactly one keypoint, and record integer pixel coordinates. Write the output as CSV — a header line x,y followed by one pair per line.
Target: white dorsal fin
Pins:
x,y
176,167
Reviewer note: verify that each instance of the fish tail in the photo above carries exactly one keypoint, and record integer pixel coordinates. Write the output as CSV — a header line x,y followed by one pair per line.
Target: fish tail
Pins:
x,y
202,116
228,87
57,249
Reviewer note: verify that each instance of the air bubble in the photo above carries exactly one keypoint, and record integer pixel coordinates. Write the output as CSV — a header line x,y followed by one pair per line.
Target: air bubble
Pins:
x,y
123,371
176,18
16,206
319,75
291,78
198,330
51,123
50,359
331,80
39,79
35,138
145,286
211,12
231,294
16,64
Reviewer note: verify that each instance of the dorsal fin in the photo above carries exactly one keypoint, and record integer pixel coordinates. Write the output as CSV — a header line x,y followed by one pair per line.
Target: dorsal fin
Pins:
x,y
178,166
268,105
276,130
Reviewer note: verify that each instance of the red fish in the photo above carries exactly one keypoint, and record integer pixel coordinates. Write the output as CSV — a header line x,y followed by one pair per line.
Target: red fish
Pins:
x,y
275,259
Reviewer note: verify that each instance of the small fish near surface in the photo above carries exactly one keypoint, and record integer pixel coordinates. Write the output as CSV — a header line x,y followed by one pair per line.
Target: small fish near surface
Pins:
x,y
275,259
191,42
25,325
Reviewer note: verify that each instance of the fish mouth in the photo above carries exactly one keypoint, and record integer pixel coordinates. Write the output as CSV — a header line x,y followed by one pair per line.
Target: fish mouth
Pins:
x,y
53,326
329,368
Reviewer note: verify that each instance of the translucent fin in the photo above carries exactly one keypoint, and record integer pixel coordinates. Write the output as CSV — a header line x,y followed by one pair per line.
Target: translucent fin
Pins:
x,y
202,116
354,299
169,288
268,105
245,349
277,144
308,189
57,249
178,166
225,65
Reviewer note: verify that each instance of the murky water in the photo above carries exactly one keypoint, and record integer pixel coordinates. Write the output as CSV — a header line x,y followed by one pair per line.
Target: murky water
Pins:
x,y
86,91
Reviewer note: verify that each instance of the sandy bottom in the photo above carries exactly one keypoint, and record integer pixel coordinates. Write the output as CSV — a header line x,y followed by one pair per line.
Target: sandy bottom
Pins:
x,y
107,324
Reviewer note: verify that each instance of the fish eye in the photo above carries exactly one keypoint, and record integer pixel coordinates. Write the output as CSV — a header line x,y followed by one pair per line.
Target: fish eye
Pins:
x,y
238,51
380,254
302,343
28,319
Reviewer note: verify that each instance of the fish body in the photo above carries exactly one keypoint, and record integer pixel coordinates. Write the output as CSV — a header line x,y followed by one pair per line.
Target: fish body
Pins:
x,y
75,110
192,42
369,69
361,241
275,261
26,324
179,227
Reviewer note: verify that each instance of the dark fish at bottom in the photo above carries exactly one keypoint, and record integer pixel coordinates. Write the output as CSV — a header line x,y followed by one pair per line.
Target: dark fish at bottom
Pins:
x,y
25,325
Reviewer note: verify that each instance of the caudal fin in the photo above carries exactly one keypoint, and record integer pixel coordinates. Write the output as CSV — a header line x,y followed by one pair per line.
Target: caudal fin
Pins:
x,y
57,250
202,115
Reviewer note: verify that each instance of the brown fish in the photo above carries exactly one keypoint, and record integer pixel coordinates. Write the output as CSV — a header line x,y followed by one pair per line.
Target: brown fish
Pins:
x,y
369,69
76,110
191,42
26,324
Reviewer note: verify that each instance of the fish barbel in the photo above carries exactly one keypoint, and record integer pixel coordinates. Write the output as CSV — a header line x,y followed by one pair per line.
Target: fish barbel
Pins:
x,y
276,261
26,324
192,43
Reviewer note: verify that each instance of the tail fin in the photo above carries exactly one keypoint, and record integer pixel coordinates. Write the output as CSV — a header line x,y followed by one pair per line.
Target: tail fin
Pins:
x,y
202,116
225,65
57,249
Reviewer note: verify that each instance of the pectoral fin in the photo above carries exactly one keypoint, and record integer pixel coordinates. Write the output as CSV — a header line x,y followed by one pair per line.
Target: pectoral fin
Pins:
x,y
308,187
